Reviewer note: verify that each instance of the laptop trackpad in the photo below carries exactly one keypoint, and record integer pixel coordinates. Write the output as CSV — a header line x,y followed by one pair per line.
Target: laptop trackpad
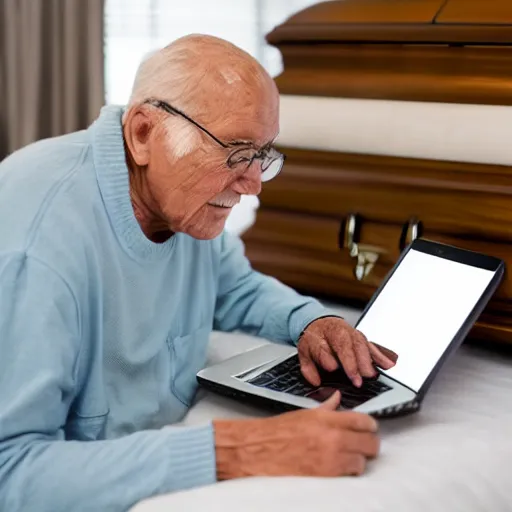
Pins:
x,y
322,394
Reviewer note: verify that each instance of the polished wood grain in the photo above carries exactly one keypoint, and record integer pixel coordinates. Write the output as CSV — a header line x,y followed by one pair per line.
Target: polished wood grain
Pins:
x,y
468,200
399,50
413,50
296,271
397,21
476,12
369,11
485,332
298,235
407,73
304,239
393,33
303,252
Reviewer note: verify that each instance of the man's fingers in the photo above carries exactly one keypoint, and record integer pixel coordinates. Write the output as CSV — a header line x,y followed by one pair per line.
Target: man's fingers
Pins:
x,y
332,403
379,358
349,362
352,350
342,346
351,464
393,356
364,358
349,420
324,356
362,443
309,370
320,352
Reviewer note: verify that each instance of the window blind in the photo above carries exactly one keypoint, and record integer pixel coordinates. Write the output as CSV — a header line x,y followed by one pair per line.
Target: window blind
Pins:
x,y
133,28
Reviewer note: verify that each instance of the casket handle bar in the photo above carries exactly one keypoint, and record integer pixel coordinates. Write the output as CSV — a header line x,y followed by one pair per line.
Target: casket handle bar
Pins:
x,y
366,255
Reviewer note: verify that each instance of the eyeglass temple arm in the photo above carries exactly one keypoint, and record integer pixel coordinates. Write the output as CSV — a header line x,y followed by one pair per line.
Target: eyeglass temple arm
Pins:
x,y
174,110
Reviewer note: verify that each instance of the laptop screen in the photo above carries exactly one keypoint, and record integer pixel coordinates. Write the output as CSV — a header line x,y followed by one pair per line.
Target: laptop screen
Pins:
x,y
419,311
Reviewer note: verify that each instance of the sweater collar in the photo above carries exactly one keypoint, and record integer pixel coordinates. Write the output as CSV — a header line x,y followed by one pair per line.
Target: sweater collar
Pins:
x,y
113,180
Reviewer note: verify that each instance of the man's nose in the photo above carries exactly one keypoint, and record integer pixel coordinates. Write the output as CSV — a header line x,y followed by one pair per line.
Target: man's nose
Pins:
x,y
250,181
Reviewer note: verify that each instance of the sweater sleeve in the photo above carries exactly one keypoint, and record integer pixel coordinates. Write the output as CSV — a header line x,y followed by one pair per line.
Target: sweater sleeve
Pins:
x,y
39,468
258,304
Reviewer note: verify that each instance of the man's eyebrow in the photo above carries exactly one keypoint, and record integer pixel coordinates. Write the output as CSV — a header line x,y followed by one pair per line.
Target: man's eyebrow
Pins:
x,y
241,143
252,144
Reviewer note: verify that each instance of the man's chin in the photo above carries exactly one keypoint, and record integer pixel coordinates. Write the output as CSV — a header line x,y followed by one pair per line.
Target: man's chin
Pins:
x,y
207,232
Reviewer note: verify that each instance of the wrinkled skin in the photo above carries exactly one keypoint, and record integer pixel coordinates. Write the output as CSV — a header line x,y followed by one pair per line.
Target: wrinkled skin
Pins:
x,y
329,340
314,442
172,194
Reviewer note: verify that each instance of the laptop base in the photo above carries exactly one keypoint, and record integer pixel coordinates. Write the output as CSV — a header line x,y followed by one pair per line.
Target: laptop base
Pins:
x,y
278,407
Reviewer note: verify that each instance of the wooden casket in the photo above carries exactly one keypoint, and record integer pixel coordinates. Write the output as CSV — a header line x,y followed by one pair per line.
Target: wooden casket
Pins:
x,y
396,122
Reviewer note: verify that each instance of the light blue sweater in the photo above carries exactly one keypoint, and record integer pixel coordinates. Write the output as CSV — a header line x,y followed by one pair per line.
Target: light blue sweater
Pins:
x,y
102,331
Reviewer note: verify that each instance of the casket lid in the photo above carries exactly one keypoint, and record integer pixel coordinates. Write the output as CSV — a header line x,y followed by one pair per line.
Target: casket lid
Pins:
x,y
467,22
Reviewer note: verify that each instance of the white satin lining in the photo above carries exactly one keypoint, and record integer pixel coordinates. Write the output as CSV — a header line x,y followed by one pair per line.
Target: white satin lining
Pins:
x,y
439,131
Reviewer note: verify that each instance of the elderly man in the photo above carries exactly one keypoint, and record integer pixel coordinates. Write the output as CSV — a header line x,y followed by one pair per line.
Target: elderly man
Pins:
x,y
114,268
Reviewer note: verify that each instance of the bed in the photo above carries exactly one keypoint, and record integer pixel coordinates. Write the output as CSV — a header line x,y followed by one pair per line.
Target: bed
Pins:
x,y
454,455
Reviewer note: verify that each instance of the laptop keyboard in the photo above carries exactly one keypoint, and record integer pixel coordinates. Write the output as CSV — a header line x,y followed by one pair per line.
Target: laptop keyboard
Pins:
x,y
287,378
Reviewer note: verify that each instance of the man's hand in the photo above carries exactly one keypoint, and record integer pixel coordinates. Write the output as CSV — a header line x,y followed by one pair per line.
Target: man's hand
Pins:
x,y
313,442
329,339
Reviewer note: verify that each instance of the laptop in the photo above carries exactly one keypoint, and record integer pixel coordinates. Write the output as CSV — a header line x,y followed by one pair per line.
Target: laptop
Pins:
x,y
423,310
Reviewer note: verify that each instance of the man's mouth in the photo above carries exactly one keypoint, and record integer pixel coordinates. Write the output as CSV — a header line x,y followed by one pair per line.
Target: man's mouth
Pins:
x,y
223,204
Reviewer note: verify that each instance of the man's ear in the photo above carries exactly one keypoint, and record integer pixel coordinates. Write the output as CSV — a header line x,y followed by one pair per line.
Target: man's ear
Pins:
x,y
137,130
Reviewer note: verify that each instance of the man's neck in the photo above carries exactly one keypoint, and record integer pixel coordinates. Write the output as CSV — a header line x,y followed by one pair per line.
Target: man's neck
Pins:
x,y
151,224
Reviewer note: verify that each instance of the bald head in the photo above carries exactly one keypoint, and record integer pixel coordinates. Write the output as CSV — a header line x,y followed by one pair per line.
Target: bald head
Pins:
x,y
187,179
203,75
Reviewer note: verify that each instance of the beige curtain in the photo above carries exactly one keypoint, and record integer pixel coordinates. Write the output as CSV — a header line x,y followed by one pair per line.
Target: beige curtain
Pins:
x,y
51,68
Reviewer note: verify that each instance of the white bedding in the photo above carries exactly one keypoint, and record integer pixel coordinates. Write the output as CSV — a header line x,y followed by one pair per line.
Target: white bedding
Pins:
x,y
454,455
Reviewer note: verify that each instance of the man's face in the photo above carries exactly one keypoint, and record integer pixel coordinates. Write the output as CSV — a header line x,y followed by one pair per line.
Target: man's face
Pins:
x,y
196,192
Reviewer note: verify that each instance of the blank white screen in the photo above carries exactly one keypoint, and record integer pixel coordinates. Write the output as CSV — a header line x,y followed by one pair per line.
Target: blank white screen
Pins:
x,y
420,310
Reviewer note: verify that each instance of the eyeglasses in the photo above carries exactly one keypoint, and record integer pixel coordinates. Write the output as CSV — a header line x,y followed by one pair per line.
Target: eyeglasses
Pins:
x,y
243,153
